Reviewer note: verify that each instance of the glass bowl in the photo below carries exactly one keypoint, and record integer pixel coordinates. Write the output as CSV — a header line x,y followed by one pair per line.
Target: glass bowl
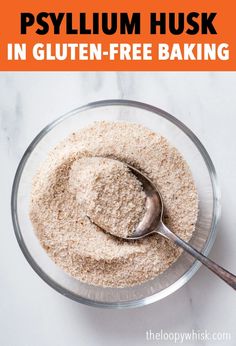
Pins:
x,y
204,175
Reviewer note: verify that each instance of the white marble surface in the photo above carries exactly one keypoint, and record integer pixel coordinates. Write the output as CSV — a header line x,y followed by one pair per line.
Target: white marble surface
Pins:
x,y
33,314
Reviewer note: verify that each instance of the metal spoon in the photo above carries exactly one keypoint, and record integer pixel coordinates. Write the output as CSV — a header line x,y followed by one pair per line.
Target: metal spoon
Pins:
x,y
152,222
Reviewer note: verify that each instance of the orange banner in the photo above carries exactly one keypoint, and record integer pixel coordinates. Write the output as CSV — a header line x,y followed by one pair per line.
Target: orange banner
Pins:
x,y
117,35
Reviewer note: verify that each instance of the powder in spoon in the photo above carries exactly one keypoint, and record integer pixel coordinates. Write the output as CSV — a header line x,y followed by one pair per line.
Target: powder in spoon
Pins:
x,y
110,195
75,243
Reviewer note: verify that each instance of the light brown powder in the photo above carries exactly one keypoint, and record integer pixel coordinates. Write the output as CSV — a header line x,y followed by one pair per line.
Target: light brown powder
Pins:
x,y
80,247
109,194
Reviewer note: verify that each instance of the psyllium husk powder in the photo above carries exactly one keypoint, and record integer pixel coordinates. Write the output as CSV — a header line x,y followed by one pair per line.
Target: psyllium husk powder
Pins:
x,y
71,184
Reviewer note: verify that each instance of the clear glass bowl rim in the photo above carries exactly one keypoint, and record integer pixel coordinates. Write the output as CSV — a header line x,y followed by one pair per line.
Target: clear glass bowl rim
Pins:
x,y
216,204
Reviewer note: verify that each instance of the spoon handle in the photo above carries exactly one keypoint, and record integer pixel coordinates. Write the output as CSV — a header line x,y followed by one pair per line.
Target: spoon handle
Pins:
x,y
229,278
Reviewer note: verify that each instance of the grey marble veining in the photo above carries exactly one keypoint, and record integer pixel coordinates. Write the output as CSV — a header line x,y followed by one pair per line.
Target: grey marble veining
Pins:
x,y
31,313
